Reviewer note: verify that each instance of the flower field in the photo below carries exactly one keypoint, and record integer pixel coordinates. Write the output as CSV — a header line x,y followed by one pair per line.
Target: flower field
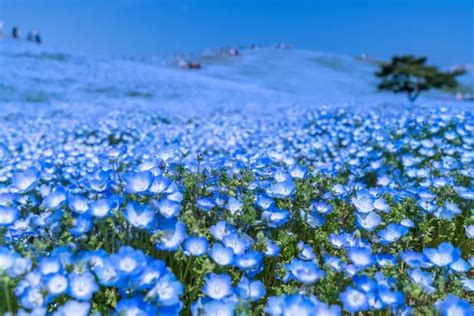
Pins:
x,y
303,212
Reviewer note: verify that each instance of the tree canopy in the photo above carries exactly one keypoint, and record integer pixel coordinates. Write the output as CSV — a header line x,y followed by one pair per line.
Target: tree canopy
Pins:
x,y
410,74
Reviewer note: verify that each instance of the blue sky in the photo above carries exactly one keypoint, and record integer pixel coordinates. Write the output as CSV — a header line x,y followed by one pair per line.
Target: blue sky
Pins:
x,y
440,29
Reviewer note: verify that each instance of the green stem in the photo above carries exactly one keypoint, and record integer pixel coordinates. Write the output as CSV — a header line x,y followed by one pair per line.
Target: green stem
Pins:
x,y
7,295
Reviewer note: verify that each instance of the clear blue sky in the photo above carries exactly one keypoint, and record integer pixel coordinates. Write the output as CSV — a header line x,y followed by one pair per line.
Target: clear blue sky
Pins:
x,y
441,29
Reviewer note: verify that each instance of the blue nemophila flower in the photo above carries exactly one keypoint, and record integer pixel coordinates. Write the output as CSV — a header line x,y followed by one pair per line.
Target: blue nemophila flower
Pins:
x,y
305,251
221,255
8,215
205,204
234,206
306,272
73,308
129,261
150,274
168,208
219,308
276,217
444,255
281,190
363,203
354,300
234,241
368,221
389,297
415,259
470,231
334,263
295,304
81,224
172,234
452,305
82,286
385,260
321,207
423,279
135,306
167,290
26,180
468,284
139,215
251,262
361,257
250,290
101,208
50,265
56,284
138,182
195,246
315,219
271,249
160,184
78,203
264,201
55,199
459,266
217,286
392,233
365,283
221,229
447,211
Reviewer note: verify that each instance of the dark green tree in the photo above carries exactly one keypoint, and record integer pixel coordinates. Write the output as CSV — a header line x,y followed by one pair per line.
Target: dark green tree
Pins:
x,y
409,74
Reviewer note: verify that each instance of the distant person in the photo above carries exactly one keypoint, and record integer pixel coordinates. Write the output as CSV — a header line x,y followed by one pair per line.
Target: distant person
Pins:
x,y
30,36
15,32
37,37
1,28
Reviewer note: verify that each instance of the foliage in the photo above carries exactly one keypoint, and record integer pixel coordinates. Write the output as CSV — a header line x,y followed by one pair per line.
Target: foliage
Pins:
x,y
409,74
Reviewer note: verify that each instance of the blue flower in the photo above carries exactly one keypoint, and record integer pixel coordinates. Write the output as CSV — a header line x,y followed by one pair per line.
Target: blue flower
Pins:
x,y
195,246
221,255
276,217
138,182
281,190
368,221
129,261
82,286
57,284
73,308
354,300
454,306
361,257
135,306
55,199
234,206
423,279
100,208
322,207
306,272
392,233
139,215
173,234
8,215
168,208
205,204
250,290
25,181
217,286
363,203
167,290
221,229
219,308
444,255
295,304
233,240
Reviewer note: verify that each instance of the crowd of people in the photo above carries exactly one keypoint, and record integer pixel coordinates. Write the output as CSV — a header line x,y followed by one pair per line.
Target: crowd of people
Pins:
x,y
31,36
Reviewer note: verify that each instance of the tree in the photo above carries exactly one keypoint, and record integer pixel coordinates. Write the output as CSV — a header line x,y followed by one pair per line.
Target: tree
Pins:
x,y
410,74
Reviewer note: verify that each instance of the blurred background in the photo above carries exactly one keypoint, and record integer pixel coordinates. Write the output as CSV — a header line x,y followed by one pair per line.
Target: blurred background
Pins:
x,y
440,29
